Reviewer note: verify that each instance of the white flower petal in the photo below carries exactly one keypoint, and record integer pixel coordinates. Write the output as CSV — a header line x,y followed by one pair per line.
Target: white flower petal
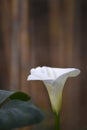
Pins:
x,y
48,73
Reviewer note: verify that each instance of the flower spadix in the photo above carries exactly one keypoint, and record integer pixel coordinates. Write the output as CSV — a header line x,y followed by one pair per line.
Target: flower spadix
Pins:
x,y
54,80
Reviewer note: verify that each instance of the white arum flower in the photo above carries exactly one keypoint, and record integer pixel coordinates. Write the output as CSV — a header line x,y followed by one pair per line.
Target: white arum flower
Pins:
x,y
54,80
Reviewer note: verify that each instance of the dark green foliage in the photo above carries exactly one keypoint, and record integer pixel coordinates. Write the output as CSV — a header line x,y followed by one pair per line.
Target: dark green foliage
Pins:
x,y
16,110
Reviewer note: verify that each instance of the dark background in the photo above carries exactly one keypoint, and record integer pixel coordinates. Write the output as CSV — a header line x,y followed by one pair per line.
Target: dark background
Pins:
x,y
51,33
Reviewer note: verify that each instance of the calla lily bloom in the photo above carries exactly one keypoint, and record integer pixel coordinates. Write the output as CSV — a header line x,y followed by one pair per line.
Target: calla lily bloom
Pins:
x,y
54,80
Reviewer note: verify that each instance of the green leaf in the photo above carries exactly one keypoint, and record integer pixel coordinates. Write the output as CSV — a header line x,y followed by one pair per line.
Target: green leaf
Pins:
x,y
9,95
16,110
16,114
20,95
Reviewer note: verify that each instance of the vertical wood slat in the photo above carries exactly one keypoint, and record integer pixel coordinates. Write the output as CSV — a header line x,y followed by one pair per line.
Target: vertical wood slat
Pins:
x,y
83,58
19,45
6,28
4,43
24,43
61,31
15,54
56,33
69,31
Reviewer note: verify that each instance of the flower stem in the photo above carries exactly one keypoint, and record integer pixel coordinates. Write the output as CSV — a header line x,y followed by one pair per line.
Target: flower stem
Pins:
x,y
57,121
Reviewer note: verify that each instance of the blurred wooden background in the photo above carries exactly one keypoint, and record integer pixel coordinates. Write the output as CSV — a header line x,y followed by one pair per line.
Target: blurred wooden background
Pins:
x,y
51,33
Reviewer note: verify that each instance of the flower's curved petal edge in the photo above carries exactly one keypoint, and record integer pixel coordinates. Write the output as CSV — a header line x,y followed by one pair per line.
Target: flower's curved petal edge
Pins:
x,y
70,72
49,73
